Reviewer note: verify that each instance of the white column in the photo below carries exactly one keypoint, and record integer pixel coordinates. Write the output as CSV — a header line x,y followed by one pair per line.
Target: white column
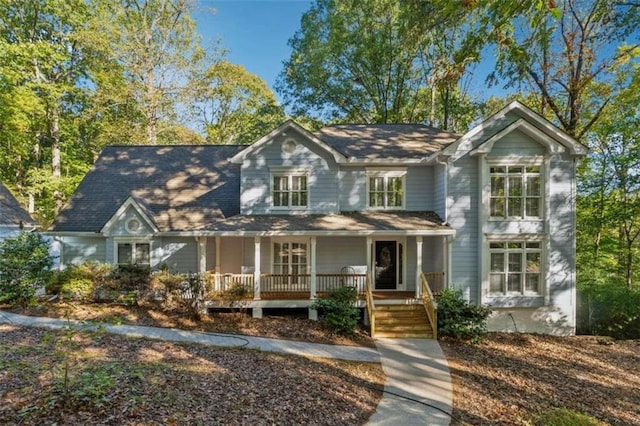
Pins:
x,y
447,269
370,266
312,254
256,269
418,266
218,284
202,254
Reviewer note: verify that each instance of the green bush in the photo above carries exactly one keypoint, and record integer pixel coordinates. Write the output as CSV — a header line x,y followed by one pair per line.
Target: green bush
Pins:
x,y
564,417
25,265
131,277
612,310
80,281
338,310
78,289
459,319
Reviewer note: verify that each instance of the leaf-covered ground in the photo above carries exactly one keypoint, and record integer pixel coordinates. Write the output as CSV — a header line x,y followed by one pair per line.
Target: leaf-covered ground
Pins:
x,y
116,381
511,379
287,326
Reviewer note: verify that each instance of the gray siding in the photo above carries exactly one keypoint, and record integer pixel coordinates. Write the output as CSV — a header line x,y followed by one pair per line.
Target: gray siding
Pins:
x,y
463,217
353,184
419,188
322,176
334,253
231,255
120,227
82,249
516,143
179,254
561,232
439,190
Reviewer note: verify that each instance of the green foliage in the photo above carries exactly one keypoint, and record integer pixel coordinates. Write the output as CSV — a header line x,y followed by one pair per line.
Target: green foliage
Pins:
x,y
131,277
383,66
80,280
338,309
610,310
25,265
459,319
564,417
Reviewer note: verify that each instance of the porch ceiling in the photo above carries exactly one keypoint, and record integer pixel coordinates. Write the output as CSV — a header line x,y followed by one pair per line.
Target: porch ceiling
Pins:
x,y
414,223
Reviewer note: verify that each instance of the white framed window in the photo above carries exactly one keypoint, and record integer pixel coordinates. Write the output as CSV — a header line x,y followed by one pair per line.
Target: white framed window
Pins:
x,y
133,253
516,191
515,268
290,257
289,189
386,189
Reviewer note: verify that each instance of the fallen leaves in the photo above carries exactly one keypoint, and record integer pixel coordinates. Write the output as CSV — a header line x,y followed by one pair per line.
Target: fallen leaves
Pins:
x,y
511,378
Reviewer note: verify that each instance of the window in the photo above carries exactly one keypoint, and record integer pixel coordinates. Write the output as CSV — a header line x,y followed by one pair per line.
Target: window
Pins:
x,y
515,268
290,262
133,253
289,190
515,192
386,190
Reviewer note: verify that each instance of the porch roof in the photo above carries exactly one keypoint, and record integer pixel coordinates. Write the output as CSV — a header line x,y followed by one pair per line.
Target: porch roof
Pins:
x,y
353,223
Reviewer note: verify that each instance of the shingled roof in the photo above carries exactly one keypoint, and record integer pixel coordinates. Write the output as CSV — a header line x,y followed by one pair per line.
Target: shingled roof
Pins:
x,y
11,213
386,141
182,187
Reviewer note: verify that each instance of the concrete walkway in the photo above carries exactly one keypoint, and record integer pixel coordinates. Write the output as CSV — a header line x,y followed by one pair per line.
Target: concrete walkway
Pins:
x,y
417,372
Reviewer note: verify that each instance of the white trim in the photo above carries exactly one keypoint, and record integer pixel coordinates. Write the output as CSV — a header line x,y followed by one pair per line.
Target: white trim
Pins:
x,y
486,296
289,173
400,286
290,124
312,258
385,174
378,233
256,268
132,240
553,147
419,255
122,211
575,147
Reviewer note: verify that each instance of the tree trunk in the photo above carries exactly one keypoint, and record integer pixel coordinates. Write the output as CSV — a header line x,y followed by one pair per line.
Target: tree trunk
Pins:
x,y
56,167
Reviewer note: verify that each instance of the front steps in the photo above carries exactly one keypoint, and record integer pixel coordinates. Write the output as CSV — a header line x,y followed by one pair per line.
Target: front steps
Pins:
x,y
402,321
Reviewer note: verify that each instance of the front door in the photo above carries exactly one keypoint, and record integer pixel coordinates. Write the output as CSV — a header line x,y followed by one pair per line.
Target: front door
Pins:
x,y
385,265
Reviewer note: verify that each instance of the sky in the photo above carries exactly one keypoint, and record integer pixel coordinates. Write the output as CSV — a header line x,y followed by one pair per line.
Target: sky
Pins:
x,y
254,32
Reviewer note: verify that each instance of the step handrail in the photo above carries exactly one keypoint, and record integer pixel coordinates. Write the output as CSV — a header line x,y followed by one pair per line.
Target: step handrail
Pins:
x,y
429,305
371,307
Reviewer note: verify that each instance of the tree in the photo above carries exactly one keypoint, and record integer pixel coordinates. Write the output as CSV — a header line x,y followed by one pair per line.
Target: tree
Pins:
x,y
25,265
43,64
157,47
235,106
366,61
558,50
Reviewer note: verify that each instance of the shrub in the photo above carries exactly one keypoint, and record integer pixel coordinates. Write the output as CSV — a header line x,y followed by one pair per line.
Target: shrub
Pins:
x,y
235,296
338,310
80,281
459,319
25,265
131,277
611,310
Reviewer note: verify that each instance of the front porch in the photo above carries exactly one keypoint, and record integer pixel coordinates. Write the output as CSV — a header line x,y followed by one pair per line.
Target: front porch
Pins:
x,y
302,287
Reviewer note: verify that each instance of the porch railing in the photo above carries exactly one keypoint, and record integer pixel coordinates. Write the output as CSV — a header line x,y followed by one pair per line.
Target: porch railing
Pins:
x,y
436,281
429,304
371,307
272,285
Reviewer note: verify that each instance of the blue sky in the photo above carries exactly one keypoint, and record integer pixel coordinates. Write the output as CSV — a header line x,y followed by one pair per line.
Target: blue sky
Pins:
x,y
255,32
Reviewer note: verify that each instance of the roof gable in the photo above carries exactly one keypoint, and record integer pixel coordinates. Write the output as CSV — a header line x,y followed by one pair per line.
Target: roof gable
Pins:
x,y
525,120
11,212
120,214
178,187
281,130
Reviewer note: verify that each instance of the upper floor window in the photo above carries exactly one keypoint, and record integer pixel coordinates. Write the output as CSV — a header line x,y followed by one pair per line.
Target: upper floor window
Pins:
x,y
515,192
133,253
515,268
386,189
289,190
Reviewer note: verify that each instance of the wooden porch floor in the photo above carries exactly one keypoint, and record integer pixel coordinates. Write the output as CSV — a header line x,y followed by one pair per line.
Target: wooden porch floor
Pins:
x,y
302,295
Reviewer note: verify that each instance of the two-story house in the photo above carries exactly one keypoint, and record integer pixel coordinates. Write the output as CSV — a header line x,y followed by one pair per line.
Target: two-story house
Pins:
x,y
490,212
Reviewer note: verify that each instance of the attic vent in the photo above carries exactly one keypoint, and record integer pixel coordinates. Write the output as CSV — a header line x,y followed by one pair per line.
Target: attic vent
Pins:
x,y
289,146
133,226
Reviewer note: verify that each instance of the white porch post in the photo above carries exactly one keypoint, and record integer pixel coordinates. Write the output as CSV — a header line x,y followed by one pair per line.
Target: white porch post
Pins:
x,y
448,242
256,269
218,269
314,286
418,266
313,314
370,261
202,254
